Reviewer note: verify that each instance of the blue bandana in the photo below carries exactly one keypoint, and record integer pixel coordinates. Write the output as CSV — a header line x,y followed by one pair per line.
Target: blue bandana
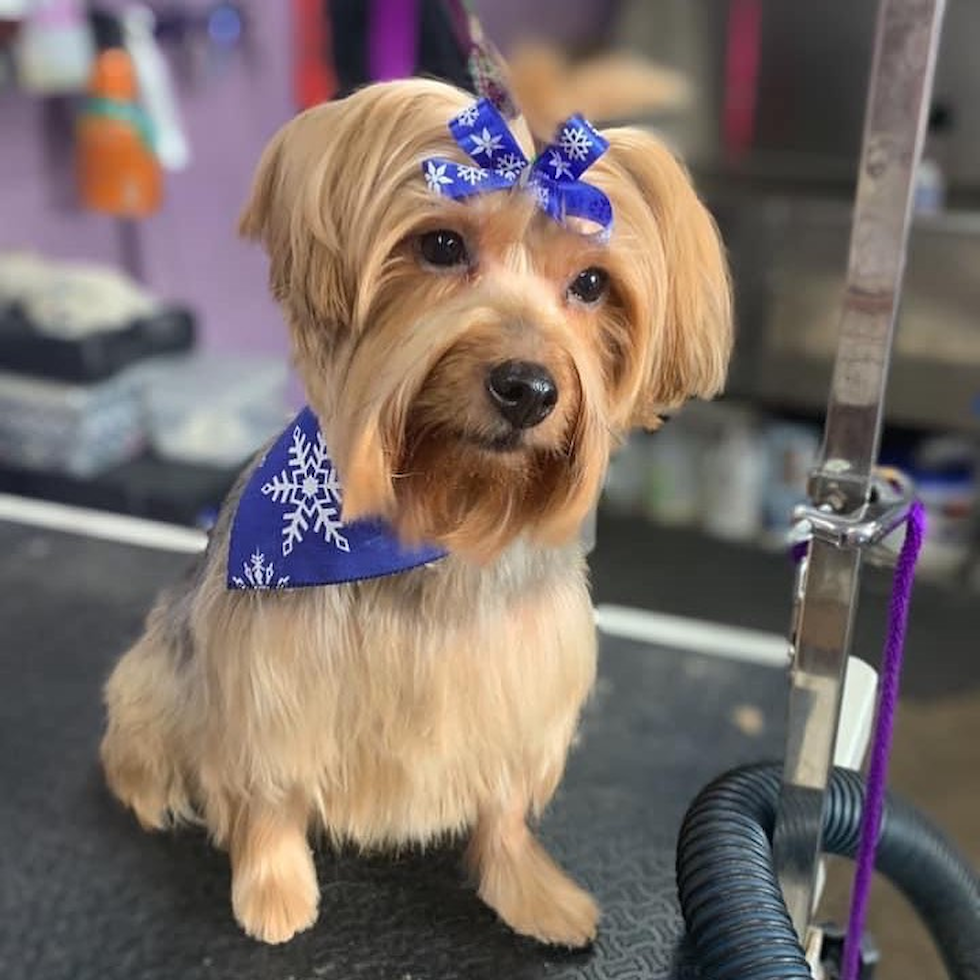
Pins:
x,y
287,532
499,164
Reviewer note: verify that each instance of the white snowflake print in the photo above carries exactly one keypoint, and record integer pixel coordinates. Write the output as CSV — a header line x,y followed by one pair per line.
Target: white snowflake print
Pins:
x,y
486,142
510,166
469,115
311,489
559,164
541,195
256,574
575,142
435,176
472,175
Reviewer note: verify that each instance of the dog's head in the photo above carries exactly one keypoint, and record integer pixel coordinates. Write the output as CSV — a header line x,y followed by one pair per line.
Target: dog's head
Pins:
x,y
472,362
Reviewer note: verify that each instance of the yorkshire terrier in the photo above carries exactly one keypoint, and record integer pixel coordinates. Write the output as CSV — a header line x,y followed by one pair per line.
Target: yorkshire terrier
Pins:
x,y
475,332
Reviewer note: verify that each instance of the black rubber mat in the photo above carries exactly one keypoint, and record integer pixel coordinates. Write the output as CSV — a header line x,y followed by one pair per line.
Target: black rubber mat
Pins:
x,y
86,895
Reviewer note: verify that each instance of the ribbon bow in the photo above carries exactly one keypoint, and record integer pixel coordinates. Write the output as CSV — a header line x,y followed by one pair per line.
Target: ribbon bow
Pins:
x,y
499,164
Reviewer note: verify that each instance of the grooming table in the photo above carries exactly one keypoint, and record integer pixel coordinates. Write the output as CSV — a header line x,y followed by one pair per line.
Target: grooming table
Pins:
x,y
86,895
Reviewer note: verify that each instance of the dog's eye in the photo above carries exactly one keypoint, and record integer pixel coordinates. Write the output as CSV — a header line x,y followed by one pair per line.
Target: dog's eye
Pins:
x,y
443,248
590,285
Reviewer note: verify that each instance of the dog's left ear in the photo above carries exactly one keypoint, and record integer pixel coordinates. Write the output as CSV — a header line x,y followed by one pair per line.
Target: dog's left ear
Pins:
x,y
691,344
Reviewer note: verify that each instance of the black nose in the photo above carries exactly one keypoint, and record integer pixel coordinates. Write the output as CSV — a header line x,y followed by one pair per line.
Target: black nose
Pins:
x,y
523,393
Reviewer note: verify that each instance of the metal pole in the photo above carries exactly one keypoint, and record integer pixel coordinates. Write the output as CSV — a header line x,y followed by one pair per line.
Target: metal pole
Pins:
x,y
906,41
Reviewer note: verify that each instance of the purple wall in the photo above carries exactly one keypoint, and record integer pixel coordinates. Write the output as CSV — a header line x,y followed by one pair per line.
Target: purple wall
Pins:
x,y
190,249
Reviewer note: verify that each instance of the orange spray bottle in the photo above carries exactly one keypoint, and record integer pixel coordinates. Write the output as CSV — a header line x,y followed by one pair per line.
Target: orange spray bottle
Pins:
x,y
118,170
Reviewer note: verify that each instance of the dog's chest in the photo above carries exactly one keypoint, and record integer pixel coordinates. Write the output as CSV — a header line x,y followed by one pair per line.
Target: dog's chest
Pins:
x,y
436,704
461,652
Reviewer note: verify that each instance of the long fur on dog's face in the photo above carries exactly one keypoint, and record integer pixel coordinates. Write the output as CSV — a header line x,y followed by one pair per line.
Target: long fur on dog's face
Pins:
x,y
394,354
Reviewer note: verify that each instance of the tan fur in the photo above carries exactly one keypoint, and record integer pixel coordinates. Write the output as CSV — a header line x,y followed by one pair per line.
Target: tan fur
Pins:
x,y
442,699
608,87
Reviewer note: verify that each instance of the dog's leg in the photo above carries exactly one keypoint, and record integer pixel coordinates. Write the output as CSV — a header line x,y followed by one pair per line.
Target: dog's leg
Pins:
x,y
523,885
138,752
274,890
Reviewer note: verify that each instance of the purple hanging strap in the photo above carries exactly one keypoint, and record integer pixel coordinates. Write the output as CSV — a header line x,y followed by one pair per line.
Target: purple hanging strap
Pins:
x,y
874,796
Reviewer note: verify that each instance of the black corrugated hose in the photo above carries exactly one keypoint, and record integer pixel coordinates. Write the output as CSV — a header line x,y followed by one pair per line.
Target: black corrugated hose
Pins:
x,y
730,896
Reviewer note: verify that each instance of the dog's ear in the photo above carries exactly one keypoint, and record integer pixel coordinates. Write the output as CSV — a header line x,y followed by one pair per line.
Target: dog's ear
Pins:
x,y
262,218
690,345
289,212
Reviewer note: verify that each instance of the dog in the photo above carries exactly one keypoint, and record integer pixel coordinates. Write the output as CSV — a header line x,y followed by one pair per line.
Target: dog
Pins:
x,y
471,362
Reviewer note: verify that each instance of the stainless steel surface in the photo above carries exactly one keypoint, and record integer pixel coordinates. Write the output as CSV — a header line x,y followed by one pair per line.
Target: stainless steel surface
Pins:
x,y
824,621
812,72
790,258
898,106
906,41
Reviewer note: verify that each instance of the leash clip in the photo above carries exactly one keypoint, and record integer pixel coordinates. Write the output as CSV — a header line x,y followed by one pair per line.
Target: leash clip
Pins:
x,y
886,509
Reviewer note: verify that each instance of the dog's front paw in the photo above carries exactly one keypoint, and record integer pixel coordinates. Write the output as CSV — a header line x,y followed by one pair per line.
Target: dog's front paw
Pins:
x,y
537,899
275,902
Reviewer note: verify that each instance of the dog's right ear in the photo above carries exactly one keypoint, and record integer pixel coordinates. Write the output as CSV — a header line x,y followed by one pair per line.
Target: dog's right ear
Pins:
x,y
285,212
261,219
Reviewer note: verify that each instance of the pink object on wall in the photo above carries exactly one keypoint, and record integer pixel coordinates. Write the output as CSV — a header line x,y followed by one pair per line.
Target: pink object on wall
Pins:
x,y
741,75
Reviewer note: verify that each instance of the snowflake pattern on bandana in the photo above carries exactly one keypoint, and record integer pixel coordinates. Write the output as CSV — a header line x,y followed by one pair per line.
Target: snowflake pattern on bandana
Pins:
x,y
290,510
258,574
309,490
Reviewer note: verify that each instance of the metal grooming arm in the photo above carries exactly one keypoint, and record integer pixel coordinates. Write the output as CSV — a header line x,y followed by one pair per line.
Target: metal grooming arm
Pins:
x,y
851,507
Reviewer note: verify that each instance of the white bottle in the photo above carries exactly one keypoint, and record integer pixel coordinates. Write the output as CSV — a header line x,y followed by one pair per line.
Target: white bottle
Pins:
x,y
15,9
156,86
54,50
734,471
930,187
930,177
672,479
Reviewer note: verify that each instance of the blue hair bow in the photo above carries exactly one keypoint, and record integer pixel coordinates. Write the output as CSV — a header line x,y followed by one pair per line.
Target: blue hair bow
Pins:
x,y
499,164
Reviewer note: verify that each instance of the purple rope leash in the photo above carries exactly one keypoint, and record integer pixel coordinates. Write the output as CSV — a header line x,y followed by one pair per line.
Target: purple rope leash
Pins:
x,y
874,796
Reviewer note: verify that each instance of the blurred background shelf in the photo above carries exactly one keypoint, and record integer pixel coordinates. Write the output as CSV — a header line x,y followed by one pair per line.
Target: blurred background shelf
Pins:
x,y
789,257
148,486
923,393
